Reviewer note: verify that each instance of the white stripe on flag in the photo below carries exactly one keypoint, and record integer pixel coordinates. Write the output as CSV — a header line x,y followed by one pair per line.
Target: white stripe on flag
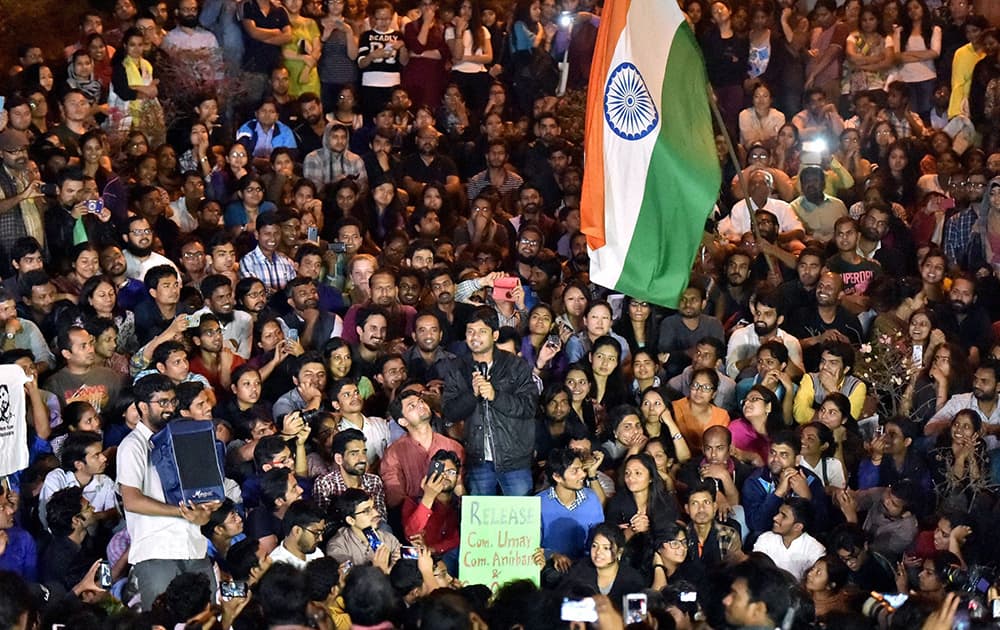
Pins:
x,y
645,41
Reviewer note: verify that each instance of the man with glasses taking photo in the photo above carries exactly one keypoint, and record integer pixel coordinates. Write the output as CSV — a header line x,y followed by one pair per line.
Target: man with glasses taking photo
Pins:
x,y
166,539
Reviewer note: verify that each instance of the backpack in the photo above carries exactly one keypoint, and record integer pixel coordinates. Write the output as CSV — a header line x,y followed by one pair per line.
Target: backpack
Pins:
x,y
189,462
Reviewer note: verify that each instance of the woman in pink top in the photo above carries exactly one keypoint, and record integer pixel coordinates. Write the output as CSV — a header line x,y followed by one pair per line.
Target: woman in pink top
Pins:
x,y
751,433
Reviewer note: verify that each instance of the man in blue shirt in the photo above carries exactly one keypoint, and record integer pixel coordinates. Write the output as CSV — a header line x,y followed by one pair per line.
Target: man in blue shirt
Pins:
x,y
768,487
571,507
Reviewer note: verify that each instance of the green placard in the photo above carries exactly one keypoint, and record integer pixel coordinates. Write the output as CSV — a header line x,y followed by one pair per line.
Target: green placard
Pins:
x,y
499,535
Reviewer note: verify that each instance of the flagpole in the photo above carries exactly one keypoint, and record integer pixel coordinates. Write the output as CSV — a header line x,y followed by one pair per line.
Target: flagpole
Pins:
x,y
712,102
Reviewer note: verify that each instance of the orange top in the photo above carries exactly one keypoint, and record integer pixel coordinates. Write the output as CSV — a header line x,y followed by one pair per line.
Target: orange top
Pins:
x,y
691,427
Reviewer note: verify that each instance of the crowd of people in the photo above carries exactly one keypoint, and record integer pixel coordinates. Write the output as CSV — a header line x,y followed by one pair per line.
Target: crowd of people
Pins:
x,y
347,235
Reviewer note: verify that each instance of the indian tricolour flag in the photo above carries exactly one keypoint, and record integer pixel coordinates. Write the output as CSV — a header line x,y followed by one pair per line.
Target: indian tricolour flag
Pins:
x,y
652,174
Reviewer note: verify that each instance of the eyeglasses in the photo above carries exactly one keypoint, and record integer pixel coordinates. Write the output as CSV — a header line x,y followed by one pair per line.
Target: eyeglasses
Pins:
x,y
317,534
753,399
16,151
256,294
367,510
237,154
164,402
701,387
253,189
679,543
145,232
529,241
193,254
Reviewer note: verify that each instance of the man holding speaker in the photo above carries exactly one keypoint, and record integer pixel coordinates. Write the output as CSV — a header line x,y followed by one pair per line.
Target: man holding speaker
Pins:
x,y
166,539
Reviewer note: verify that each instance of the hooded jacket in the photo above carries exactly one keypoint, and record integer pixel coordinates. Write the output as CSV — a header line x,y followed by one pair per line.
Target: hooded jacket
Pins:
x,y
325,166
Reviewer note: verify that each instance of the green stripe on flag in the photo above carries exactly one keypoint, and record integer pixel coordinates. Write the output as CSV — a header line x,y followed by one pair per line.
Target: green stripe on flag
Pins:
x,y
681,185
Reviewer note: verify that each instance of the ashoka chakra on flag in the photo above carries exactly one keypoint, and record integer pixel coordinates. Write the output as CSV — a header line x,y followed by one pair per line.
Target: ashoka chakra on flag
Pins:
x,y
628,107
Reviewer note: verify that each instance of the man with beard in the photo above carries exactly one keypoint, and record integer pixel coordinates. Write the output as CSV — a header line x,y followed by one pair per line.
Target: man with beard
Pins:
x,y
427,165
494,394
189,37
19,191
548,137
497,172
310,385
546,272
166,539
139,254
982,399
312,123
351,459
527,246
765,251
964,320
237,326
801,292
313,324
23,333
383,293
38,300
579,260
856,272
731,302
309,264
898,258
769,314
825,322
67,220
371,330
404,469
424,358
781,478
214,357
114,265
411,287
304,526
680,332
346,399
817,210
333,161
530,206
152,202
452,315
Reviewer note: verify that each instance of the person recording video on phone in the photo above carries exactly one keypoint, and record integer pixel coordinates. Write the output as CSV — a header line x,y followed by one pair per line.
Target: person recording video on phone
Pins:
x,y
494,394
70,207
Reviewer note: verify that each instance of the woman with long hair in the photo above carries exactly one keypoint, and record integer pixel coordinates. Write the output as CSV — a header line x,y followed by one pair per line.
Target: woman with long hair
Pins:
x,y
538,349
817,454
471,48
788,152
99,298
960,465
610,389
601,572
835,413
637,325
870,54
572,305
84,263
95,162
383,211
642,506
945,372
825,583
658,423
580,384
876,146
133,88
762,418
903,171
761,121
339,53
528,38
918,41
241,214
301,54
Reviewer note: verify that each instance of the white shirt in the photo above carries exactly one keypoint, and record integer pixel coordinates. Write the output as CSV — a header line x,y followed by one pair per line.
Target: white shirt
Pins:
x,y
153,537
834,478
182,217
281,554
796,558
100,492
13,424
744,342
376,432
135,268
968,400
737,223
236,333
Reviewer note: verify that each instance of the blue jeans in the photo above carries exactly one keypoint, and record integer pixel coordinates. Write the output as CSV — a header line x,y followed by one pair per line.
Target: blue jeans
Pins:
x,y
483,480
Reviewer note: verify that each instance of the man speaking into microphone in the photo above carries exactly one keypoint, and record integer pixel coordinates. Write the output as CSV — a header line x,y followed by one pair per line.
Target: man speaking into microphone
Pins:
x,y
493,393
